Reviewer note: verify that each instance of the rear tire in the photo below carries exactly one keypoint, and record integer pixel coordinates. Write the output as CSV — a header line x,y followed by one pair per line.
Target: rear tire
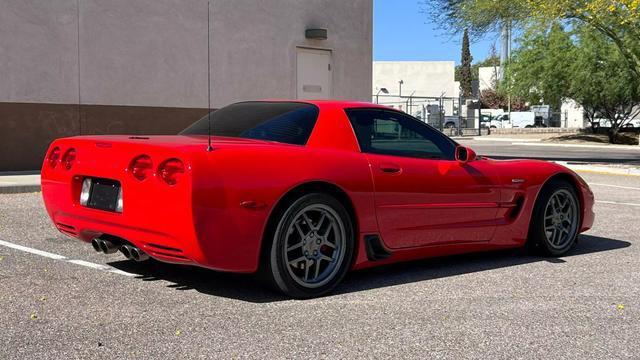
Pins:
x,y
312,247
555,221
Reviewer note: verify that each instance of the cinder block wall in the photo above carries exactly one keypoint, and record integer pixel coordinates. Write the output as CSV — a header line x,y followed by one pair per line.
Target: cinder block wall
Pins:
x,y
70,67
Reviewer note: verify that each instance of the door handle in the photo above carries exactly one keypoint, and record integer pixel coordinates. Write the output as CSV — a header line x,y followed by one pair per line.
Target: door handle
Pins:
x,y
389,168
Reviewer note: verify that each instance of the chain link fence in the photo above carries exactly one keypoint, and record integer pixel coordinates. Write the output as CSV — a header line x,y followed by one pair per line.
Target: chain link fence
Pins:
x,y
447,114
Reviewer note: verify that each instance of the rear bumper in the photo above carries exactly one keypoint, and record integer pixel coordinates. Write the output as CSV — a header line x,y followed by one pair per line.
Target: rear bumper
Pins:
x,y
164,223
198,220
159,245
155,219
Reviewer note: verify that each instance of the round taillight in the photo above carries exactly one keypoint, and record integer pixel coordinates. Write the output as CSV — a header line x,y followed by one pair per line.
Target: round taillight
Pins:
x,y
69,158
141,167
54,157
171,170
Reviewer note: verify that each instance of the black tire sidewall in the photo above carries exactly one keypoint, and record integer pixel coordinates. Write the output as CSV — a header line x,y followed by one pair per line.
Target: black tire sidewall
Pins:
x,y
537,237
276,263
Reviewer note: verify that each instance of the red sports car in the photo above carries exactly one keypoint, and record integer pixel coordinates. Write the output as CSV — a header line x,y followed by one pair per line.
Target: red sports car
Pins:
x,y
305,191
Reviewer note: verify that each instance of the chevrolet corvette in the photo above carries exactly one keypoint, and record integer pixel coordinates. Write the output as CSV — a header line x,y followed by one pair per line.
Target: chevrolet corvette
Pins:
x,y
302,192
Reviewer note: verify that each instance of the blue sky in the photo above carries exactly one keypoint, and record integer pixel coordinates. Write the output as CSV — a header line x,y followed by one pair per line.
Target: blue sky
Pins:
x,y
401,32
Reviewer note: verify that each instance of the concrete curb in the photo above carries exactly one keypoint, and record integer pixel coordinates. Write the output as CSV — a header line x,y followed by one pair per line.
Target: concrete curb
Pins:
x,y
550,144
505,139
16,183
19,189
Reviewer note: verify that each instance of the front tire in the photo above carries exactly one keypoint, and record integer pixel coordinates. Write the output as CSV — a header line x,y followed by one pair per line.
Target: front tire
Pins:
x,y
555,220
312,247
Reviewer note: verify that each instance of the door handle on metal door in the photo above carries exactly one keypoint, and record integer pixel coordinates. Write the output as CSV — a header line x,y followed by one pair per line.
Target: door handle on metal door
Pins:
x,y
390,168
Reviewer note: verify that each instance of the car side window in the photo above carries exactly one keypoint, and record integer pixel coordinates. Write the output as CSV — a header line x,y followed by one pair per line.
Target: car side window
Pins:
x,y
393,133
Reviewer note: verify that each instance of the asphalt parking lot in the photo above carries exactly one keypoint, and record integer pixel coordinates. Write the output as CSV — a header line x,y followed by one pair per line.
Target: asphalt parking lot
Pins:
x,y
81,304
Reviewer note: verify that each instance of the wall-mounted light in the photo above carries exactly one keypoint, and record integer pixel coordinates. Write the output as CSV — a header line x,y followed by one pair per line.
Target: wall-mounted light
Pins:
x,y
316,34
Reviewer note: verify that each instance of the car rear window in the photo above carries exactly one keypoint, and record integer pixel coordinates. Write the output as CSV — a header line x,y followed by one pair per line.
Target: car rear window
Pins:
x,y
285,122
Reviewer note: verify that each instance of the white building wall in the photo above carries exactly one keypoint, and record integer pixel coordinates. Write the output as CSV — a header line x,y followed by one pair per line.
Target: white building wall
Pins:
x,y
572,115
433,79
488,77
423,78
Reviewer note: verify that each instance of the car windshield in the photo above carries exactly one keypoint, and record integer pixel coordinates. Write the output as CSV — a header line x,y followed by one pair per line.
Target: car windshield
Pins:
x,y
285,122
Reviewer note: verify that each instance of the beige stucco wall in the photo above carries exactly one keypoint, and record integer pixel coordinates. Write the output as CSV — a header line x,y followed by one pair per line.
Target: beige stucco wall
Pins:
x,y
154,52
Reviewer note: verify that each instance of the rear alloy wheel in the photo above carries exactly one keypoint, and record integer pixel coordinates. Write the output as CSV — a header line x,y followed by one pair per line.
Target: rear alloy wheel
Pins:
x,y
312,246
556,219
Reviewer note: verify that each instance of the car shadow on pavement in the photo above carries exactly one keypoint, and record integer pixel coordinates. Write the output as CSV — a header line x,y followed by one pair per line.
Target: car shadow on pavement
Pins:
x,y
249,288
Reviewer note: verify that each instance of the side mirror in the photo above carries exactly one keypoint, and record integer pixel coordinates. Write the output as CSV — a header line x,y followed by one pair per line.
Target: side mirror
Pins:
x,y
465,154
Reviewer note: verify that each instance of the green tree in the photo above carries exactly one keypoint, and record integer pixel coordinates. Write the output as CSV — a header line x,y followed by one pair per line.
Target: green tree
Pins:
x,y
478,16
465,68
583,65
538,69
493,60
602,83
618,20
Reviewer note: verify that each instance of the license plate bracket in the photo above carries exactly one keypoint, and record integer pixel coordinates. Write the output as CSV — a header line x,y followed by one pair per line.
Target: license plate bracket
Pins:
x,y
104,194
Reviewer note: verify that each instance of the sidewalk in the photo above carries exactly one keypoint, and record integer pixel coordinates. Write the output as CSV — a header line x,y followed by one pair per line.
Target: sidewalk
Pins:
x,y
16,182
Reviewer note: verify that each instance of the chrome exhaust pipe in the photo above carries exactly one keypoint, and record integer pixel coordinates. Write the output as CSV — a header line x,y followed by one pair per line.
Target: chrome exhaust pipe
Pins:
x,y
126,251
107,246
104,246
96,245
139,255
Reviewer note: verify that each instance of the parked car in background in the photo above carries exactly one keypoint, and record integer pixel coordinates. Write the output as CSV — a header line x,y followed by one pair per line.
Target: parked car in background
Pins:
x,y
451,122
519,119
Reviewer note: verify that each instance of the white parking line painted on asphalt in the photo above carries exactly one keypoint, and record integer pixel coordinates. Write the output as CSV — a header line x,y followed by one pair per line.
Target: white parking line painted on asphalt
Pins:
x,y
616,203
49,255
32,251
601,169
616,186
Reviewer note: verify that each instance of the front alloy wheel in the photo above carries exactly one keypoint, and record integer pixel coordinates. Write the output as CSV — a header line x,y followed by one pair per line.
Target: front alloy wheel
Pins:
x,y
556,219
561,219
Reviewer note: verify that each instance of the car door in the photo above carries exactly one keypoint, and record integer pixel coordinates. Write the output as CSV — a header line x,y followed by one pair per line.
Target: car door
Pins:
x,y
423,196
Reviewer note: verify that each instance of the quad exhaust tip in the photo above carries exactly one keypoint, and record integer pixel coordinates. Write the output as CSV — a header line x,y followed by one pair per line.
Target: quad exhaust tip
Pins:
x,y
130,252
104,246
139,255
126,251
133,253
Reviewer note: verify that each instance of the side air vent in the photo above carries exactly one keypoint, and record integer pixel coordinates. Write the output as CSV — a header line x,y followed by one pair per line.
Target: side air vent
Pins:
x,y
375,250
513,214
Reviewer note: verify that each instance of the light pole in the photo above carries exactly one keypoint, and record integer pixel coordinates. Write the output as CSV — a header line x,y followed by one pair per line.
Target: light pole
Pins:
x,y
400,82
384,91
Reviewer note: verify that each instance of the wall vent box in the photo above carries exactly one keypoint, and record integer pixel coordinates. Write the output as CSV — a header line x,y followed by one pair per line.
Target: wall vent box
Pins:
x,y
316,34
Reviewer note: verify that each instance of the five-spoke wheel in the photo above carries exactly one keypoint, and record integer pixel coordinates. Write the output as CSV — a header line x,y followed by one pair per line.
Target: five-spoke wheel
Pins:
x,y
561,219
556,219
312,246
